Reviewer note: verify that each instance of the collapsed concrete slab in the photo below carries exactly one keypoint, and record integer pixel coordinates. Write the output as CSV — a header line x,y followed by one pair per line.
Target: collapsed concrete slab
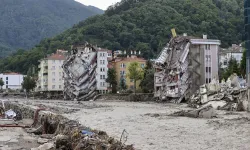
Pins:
x,y
80,73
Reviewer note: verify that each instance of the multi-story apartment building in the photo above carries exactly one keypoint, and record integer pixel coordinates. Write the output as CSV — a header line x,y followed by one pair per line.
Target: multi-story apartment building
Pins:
x,y
103,59
12,80
185,64
234,52
50,75
121,66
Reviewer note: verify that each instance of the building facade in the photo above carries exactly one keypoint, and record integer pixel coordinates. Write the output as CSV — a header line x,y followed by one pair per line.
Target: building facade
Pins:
x,y
12,80
225,55
185,64
50,75
121,66
104,58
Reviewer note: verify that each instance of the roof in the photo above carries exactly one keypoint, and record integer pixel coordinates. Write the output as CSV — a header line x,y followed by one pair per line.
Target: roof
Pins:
x,y
56,57
12,73
130,59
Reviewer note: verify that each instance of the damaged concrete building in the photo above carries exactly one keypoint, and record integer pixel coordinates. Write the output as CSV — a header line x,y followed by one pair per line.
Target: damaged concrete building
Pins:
x,y
85,72
183,65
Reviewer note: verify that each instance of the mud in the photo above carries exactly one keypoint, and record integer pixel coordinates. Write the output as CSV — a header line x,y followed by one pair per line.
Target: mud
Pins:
x,y
151,125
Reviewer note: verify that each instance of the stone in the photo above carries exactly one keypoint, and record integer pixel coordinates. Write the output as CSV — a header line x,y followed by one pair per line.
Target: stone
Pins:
x,y
208,112
42,140
46,146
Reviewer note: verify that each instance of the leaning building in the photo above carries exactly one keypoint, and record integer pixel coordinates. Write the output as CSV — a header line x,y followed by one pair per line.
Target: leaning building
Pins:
x,y
183,65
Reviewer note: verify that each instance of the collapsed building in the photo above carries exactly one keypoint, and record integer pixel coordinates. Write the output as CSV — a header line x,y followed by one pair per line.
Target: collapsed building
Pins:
x,y
183,65
80,73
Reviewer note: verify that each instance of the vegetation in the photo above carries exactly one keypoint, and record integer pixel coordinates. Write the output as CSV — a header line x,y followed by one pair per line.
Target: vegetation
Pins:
x,y
112,79
233,67
243,64
24,23
28,84
123,85
147,83
1,83
142,25
135,73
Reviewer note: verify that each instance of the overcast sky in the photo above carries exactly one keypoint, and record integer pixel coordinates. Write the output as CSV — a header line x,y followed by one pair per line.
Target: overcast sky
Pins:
x,y
103,4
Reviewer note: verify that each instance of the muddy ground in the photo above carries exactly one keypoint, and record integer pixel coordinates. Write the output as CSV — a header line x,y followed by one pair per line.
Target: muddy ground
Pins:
x,y
151,126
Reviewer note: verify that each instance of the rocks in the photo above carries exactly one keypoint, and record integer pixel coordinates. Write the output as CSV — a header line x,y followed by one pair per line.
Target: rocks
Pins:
x,y
42,140
230,95
46,146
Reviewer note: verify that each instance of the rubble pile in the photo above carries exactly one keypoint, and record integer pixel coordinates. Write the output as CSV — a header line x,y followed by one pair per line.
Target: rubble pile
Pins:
x,y
230,95
80,73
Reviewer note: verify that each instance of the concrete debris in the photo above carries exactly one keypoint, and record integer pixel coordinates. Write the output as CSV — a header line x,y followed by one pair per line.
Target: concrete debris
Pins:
x,y
10,114
46,146
42,141
230,95
172,75
80,73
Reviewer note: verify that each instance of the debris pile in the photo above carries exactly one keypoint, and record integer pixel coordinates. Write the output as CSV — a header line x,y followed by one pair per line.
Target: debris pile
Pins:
x,y
230,95
80,73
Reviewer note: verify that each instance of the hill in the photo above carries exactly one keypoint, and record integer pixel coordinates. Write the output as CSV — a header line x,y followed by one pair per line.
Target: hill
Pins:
x,y
143,25
24,23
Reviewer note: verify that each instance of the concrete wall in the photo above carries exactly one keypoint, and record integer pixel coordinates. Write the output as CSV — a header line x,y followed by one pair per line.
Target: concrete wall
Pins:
x,y
55,75
102,70
12,81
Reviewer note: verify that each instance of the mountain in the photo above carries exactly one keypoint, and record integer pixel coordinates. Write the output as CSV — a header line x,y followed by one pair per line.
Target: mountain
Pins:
x,y
95,9
143,25
24,23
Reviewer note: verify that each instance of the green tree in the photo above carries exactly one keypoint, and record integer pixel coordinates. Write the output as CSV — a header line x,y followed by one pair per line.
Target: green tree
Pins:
x,y
135,73
123,85
29,83
1,83
112,79
147,83
233,67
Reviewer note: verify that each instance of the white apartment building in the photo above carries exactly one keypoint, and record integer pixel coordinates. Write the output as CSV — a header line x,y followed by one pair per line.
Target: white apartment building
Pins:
x,y
103,58
234,52
50,75
12,80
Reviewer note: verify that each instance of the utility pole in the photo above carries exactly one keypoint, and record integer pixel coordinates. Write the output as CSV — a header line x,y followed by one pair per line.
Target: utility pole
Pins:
x,y
247,45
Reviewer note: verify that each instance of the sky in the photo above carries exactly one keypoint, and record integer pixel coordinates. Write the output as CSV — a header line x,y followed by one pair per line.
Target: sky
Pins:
x,y
102,4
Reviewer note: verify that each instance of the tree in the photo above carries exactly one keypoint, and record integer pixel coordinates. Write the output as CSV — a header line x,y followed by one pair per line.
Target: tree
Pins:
x,y
123,85
147,83
1,83
29,83
243,64
135,73
112,79
233,67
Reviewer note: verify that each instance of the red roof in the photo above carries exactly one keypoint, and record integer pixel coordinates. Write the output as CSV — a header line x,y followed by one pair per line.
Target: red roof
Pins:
x,y
56,57
12,73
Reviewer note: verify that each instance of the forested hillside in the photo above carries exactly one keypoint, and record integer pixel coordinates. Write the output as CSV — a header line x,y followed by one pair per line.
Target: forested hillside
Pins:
x,y
143,25
24,23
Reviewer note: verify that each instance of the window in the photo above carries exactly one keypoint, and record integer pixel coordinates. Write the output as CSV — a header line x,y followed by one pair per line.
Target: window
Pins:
x,y
6,82
60,79
53,86
53,80
102,69
7,78
102,76
53,67
207,47
60,74
142,65
102,62
131,80
53,73
122,72
123,65
208,69
60,86
102,84
208,58
54,61
109,54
